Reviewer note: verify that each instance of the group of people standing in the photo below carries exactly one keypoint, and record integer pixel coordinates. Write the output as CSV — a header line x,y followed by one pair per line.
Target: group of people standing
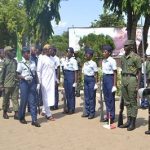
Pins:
x,y
42,73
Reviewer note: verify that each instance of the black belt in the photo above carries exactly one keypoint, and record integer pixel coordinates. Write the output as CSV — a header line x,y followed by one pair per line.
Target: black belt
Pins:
x,y
107,74
128,75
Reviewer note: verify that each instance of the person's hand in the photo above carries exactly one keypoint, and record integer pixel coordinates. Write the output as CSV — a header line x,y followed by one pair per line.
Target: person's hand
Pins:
x,y
27,78
38,87
74,85
95,87
114,89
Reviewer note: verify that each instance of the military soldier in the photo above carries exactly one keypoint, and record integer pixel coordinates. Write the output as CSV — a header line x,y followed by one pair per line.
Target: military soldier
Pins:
x,y
1,63
9,82
131,73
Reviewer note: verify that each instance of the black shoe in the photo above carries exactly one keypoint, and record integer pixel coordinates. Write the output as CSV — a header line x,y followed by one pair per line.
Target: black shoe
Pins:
x,y
90,117
36,124
55,108
127,124
84,115
147,132
71,112
5,116
65,112
23,121
16,116
132,124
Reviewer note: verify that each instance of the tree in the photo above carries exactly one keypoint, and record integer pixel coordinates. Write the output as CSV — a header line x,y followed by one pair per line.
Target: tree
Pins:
x,y
12,20
61,42
40,14
109,20
95,42
133,9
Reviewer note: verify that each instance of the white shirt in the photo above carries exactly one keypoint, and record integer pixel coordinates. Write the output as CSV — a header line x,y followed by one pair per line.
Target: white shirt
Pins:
x,y
89,68
70,64
109,65
23,68
57,61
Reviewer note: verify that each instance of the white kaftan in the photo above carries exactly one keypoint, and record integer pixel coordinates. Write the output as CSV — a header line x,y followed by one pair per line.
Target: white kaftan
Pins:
x,y
46,75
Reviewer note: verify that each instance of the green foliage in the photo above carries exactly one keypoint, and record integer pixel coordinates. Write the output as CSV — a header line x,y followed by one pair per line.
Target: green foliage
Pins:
x,y
12,20
41,13
95,42
109,20
60,42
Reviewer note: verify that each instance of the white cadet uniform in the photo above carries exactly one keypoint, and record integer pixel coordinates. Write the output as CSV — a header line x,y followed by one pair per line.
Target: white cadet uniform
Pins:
x,y
108,67
70,66
89,68
46,75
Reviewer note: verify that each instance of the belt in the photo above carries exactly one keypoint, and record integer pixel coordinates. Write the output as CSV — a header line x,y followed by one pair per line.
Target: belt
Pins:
x,y
128,75
107,74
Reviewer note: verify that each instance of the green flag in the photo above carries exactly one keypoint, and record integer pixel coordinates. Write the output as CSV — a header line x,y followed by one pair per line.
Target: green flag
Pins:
x,y
19,53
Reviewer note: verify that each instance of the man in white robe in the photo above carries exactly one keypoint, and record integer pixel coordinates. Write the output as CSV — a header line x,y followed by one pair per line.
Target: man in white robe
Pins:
x,y
46,75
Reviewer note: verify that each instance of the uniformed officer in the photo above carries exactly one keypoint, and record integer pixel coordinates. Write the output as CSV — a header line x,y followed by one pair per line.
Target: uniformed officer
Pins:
x,y
70,79
90,71
1,64
109,70
9,82
26,72
57,70
131,74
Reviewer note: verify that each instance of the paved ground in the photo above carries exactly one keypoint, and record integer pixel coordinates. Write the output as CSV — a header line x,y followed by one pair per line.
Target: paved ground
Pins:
x,y
71,132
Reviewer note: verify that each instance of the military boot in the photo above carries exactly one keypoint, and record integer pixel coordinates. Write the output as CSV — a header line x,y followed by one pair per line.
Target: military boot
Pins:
x,y
127,124
132,125
5,116
16,115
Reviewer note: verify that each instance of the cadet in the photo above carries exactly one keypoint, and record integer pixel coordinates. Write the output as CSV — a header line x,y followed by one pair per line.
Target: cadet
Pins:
x,y
70,79
9,82
26,72
131,74
90,72
109,70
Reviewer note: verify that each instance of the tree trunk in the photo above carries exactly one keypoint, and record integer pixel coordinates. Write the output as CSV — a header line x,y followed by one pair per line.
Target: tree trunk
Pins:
x,y
145,34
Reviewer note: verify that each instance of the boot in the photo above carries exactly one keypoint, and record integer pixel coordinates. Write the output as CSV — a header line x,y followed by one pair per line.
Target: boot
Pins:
x,y
132,125
16,115
5,116
127,124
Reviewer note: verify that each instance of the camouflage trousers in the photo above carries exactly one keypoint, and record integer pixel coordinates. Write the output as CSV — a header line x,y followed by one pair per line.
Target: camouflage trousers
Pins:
x,y
129,94
13,94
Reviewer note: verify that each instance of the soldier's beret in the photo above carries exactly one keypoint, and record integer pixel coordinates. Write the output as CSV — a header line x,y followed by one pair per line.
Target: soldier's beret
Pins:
x,y
70,49
89,51
107,48
25,49
8,48
129,42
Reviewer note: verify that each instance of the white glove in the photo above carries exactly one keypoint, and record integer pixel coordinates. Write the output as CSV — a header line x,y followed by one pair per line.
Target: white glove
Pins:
x,y
95,87
74,85
28,78
114,89
38,87
57,81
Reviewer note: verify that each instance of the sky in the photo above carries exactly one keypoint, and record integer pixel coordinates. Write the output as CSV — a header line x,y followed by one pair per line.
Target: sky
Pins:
x,y
77,13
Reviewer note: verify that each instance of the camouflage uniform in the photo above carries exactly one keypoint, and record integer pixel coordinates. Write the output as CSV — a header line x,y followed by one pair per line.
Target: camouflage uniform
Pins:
x,y
130,65
8,81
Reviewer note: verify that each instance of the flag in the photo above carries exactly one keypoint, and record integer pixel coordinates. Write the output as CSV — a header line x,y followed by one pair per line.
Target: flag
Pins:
x,y
19,53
